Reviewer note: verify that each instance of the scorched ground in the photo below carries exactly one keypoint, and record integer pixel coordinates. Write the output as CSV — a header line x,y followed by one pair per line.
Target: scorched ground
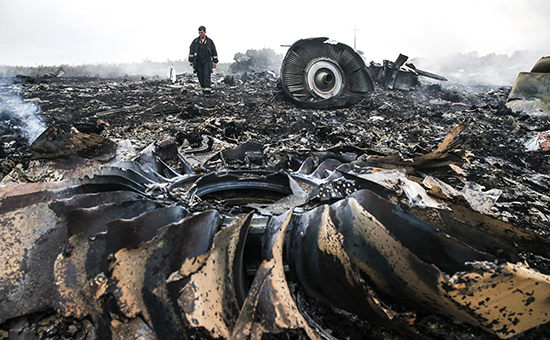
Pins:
x,y
394,128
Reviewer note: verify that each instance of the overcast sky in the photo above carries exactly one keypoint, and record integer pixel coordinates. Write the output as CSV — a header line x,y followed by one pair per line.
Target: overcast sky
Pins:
x,y
54,32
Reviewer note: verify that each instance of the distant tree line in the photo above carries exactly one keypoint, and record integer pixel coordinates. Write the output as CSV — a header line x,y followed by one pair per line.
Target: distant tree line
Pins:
x,y
252,60
145,68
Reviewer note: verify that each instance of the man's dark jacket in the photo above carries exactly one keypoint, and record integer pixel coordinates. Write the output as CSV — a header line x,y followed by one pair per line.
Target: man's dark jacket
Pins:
x,y
203,53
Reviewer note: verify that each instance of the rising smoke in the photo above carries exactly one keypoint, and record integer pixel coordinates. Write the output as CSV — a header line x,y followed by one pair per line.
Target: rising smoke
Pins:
x,y
18,116
473,69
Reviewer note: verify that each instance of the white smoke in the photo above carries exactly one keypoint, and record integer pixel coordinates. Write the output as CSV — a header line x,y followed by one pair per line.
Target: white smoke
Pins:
x,y
17,115
474,69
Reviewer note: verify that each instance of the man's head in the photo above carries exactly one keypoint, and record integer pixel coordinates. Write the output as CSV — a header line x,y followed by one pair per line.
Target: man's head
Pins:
x,y
202,31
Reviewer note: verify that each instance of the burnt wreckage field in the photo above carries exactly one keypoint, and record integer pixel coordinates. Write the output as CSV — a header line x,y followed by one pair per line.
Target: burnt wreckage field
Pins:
x,y
108,251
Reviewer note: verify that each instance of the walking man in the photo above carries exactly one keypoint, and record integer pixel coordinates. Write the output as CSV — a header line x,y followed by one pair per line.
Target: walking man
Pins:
x,y
203,57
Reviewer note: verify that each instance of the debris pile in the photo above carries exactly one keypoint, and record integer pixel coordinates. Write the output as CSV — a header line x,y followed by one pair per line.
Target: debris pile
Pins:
x,y
275,198
256,60
398,75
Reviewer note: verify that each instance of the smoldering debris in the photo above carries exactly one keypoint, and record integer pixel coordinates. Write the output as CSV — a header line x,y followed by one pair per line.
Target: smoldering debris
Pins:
x,y
18,116
280,195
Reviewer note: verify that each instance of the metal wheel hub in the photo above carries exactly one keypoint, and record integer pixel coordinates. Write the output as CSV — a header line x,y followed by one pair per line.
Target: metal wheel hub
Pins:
x,y
324,78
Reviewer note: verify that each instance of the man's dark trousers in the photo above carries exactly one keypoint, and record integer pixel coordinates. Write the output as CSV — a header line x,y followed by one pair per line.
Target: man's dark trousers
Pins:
x,y
203,73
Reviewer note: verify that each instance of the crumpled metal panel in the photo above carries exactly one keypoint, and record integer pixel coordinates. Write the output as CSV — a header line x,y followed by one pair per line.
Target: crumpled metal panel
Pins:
x,y
32,237
506,298
140,276
78,281
445,251
393,270
155,272
212,298
398,274
531,90
324,268
34,231
81,270
93,221
486,233
269,308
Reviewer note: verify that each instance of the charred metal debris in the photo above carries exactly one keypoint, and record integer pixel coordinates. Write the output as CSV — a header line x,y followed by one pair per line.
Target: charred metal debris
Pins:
x,y
148,211
321,73
531,91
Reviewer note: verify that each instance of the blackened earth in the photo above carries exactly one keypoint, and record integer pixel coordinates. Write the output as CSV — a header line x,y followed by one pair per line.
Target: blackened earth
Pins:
x,y
251,107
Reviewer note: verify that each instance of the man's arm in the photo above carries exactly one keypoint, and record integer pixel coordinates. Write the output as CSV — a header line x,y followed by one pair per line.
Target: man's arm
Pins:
x,y
214,54
192,52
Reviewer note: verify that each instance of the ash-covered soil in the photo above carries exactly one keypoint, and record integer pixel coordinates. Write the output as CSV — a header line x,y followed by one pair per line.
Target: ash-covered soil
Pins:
x,y
250,107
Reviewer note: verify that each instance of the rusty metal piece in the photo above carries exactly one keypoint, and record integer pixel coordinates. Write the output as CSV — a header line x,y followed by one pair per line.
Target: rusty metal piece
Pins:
x,y
541,141
269,308
321,73
58,142
32,236
398,274
140,276
212,298
322,266
133,329
531,90
507,299
542,65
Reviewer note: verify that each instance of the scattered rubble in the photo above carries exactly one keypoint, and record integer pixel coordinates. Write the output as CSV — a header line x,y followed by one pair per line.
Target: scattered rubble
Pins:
x,y
257,182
